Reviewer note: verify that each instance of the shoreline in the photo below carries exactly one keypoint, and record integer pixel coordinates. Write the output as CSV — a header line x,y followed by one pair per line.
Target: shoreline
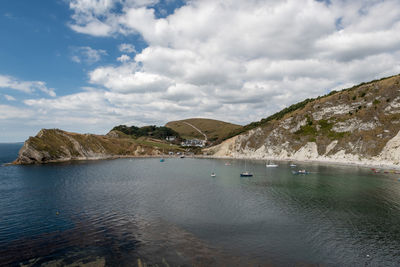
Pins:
x,y
362,164
15,163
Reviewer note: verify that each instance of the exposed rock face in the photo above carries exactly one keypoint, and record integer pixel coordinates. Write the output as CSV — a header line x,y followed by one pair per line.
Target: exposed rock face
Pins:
x,y
358,125
54,145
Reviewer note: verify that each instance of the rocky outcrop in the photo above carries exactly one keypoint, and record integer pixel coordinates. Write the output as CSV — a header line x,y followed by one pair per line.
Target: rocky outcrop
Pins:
x,y
54,145
359,125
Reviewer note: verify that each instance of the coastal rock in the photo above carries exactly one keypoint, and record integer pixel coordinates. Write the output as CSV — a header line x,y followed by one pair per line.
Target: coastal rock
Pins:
x,y
359,125
54,145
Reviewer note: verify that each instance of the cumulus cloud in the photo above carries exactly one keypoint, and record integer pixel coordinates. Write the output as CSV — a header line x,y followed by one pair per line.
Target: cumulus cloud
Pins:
x,y
97,17
234,60
125,79
123,58
87,54
10,82
10,112
9,97
127,48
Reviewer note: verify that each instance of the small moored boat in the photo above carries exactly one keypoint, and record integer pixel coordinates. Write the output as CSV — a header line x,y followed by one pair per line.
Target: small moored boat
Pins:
x,y
300,172
246,174
271,165
213,174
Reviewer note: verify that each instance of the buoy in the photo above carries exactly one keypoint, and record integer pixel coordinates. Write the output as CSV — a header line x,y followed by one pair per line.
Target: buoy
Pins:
x,y
57,213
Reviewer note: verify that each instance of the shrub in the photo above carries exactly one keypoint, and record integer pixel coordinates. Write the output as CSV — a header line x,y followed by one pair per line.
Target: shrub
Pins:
x,y
152,131
325,125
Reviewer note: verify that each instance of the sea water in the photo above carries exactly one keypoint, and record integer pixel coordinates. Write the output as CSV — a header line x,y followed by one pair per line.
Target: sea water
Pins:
x,y
131,212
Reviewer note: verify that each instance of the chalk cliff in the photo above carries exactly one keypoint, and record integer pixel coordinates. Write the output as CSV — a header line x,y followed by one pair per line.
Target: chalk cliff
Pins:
x,y
358,125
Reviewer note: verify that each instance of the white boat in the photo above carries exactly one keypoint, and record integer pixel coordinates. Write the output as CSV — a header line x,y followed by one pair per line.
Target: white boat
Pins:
x,y
271,165
300,172
213,174
292,165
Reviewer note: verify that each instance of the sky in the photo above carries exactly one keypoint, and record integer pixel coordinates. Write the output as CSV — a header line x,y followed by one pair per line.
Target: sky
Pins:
x,y
88,65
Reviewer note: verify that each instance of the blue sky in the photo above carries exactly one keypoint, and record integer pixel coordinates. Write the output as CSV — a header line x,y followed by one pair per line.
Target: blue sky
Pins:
x,y
37,44
87,65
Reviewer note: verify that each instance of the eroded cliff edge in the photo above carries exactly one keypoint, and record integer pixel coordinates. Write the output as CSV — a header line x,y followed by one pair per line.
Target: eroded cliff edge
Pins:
x,y
359,125
54,145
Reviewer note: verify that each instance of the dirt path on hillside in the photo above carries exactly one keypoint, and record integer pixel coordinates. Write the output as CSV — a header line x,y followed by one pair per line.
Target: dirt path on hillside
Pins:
x,y
197,129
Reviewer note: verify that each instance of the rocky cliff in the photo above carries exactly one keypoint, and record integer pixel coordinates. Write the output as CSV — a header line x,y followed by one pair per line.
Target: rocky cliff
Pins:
x,y
54,145
357,125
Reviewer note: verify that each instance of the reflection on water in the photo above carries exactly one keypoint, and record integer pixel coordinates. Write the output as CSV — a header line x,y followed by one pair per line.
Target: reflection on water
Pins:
x,y
140,211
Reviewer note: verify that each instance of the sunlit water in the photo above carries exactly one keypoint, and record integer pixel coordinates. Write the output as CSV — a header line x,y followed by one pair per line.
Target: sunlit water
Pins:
x,y
130,211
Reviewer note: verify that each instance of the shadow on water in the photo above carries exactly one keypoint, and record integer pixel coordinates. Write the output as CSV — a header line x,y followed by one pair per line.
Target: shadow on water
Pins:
x,y
116,242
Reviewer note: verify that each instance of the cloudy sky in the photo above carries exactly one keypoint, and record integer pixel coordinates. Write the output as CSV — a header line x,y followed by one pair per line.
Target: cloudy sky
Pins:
x,y
88,65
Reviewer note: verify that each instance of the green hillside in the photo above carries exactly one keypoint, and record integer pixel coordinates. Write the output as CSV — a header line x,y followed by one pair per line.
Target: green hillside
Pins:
x,y
215,130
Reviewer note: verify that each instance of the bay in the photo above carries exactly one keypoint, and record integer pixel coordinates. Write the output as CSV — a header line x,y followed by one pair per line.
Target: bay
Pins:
x,y
133,211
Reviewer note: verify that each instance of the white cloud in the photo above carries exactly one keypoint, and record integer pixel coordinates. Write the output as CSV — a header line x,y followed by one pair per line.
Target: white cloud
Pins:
x,y
25,86
97,18
125,79
127,48
10,112
234,60
123,58
9,97
87,54
243,60
93,27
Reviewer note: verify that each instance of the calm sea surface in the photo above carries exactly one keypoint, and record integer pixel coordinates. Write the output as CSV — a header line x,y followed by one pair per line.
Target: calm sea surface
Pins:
x,y
131,212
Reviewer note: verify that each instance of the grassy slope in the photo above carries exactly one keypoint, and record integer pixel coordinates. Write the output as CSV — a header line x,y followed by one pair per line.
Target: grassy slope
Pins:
x,y
54,143
214,129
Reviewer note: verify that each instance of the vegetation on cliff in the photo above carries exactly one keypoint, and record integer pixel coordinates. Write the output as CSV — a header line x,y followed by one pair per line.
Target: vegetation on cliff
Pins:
x,y
151,131
357,122
300,105
52,145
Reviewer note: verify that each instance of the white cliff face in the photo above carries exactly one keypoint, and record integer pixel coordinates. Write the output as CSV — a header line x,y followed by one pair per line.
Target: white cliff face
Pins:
x,y
392,150
354,124
390,155
334,110
307,152
225,149
299,124
286,123
394,106
330,147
